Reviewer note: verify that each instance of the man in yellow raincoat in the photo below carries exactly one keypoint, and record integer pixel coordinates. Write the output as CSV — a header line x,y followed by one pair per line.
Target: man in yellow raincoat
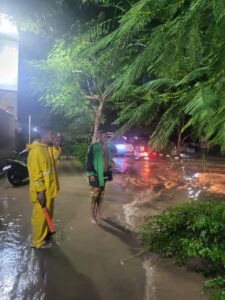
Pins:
x,y
56,149
43,185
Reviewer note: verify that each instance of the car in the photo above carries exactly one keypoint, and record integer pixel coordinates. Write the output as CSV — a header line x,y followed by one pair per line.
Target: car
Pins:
x,y
123,147
141,152
120,146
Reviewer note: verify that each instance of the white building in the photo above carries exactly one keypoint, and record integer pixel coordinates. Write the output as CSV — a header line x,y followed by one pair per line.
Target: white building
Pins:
x,y
9,57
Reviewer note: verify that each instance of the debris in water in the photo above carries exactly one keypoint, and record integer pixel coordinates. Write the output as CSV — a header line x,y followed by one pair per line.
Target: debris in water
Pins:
x,y
122,260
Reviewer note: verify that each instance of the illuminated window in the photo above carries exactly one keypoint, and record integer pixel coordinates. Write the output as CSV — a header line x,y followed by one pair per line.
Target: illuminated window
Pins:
x,y
9,51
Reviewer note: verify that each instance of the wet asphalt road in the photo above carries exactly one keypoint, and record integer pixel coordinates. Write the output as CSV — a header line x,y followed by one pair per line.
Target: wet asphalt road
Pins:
x,y
86,261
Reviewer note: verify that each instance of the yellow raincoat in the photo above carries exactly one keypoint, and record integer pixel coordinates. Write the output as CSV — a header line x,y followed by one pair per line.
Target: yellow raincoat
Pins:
x,y
43,177
56,152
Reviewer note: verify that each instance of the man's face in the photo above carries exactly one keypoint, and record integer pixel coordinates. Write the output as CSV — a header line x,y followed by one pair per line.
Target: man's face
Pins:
x,y
102,137
49,137
57,139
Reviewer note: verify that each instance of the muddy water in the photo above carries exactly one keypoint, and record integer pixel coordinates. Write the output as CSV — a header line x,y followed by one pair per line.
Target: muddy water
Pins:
x,y
154,186
84,261
146,188
19,264
92,262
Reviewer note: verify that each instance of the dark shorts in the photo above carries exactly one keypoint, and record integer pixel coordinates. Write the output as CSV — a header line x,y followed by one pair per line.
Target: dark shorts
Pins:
x,y
107,177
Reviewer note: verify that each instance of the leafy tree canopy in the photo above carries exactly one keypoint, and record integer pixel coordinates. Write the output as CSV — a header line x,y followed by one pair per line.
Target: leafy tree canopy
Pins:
x,y
173,67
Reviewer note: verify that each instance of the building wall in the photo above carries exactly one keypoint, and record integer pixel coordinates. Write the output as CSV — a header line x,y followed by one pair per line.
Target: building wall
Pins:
x,y
9,55
8,102
8,129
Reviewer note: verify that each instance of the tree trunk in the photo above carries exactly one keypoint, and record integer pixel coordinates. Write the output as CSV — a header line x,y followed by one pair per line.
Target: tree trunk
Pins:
x,y
179,137
98,118
178,145
179,141
204,145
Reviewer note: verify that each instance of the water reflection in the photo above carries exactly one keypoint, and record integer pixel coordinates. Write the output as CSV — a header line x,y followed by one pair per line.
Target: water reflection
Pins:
x,y
193,193
19,269
27,273
121,164
153,186
188,176
145,171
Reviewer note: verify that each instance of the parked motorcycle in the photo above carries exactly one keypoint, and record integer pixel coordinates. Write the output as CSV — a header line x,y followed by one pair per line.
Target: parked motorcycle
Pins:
x,y
16,169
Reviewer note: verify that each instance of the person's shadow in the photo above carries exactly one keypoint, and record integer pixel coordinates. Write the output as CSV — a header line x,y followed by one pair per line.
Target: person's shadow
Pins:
x,y
125,235
59,280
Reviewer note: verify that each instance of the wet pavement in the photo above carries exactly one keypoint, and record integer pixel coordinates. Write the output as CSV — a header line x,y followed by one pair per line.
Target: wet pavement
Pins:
x,y
84,262
98,261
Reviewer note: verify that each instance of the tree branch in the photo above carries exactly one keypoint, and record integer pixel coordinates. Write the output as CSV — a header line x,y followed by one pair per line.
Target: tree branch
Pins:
x,y
92,97
137,44
89,88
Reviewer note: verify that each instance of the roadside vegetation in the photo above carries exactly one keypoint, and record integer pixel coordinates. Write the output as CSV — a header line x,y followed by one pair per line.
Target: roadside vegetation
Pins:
x,y
194,231
77,150
159,64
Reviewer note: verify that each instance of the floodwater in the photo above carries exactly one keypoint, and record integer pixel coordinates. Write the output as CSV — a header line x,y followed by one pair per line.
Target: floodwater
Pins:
x,y
84,261
156,185
102,261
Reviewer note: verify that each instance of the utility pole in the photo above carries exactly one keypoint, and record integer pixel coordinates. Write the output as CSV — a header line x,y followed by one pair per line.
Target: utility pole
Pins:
x,y
29,129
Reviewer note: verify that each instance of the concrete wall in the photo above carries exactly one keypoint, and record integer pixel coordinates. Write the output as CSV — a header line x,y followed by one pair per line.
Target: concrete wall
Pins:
x,y
8,128
8,102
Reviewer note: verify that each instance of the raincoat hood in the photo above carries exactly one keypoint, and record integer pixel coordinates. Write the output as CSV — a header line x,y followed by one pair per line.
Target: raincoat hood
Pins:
x,y
34,144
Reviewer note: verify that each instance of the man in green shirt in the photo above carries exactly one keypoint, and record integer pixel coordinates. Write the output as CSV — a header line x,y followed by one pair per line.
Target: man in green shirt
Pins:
x,y
99,170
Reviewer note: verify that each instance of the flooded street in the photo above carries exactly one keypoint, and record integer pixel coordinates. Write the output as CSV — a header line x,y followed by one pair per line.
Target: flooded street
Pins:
x,y
85,260
155,185
99,262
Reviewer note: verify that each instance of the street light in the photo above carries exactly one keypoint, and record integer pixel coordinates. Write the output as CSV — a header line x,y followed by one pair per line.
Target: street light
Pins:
x,y
7,27
29,129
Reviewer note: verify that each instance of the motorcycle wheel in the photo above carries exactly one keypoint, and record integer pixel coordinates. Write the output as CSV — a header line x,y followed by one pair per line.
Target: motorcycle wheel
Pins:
x,y
13,179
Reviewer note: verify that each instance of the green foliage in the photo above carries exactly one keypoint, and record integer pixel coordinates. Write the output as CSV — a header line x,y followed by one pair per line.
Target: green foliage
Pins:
x,y
73,130
67,84
217,288
71,83
96,2
189,231
79,151
158,61
172,51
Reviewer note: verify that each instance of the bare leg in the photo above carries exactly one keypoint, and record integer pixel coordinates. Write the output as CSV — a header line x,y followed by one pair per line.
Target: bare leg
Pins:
x,y
93,208
99,205
93,211
95,192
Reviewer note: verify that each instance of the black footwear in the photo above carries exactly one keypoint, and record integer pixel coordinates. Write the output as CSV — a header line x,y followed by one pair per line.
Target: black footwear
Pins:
x,y
48,236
